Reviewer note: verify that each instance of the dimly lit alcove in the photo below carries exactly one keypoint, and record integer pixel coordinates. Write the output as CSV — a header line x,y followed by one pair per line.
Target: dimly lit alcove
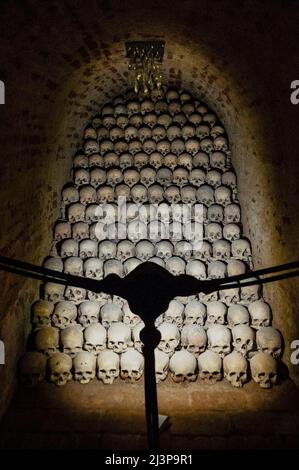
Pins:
x,y
61,61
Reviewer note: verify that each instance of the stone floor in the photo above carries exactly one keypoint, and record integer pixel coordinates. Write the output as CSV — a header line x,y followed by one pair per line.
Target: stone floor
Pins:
x,y
201,417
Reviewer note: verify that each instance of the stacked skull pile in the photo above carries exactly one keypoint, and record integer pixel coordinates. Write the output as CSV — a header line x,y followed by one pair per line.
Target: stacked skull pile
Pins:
x,y
154,157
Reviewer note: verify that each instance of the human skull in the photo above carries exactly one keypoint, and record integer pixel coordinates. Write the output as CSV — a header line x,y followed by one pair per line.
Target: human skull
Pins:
x,y
125,250
76,212
107,250
243,339
131,365
205,195
65,314
60,368
110,158
230,296
62,230
149,146
260,313
215,213
210,367
201,160
88,249
114,176
221,249
80,161
175,265
235,369
137,231
164,249
75,294
119,337
232,213
139,194
105,194
161,364
88,195
144,133
42,311
122,192
204,252
231,232
251,293
158,133
47,340
172,194
95,160
103,133
229,179
147,176
197,177
111,314
164,176
180,176
80,231
216,313
223,195
155,160
182,366
84,364
116,133
216,270
54,264
218,160
264,369
213,178
81,177
95,337
32,368
219,339
70,194
268,340
217,131
93,268
71,340
108,366
125,161
150,119
235,267
91,146
73,266
53,292
135,146
174,313
206,145
69,248
144,250
170,337
221,144
195,313
238,315
194,339
155,194
189,194
183,249
177,146
188,131
173,132
192,146
213,231
163,147
196,269
88,313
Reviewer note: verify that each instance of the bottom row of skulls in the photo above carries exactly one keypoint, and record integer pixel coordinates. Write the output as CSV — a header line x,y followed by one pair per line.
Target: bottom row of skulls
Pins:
x,y
257,353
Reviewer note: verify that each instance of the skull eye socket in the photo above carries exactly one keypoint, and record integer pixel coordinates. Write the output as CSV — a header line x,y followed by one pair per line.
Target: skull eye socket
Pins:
x,y
261,375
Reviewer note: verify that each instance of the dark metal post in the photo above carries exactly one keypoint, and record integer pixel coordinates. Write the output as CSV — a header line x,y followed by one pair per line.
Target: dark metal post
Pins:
x,y
150,337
